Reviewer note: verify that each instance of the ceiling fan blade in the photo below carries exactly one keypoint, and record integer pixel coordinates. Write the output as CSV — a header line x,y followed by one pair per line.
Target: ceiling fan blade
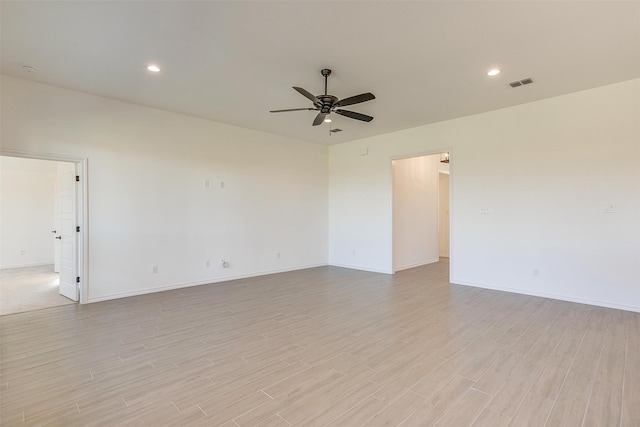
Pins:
x,y
354,115
319,119
363,97
306,94
292,109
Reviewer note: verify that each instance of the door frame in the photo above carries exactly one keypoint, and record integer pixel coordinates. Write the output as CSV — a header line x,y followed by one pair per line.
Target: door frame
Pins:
x,y
448,173
451,226
82,192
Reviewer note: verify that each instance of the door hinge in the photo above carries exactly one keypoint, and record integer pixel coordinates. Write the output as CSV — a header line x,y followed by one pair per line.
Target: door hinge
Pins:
x,y
77,178
77,228
78,279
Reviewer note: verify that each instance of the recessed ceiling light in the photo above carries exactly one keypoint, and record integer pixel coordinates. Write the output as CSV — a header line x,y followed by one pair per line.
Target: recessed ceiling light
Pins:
x,y
153,68
493,72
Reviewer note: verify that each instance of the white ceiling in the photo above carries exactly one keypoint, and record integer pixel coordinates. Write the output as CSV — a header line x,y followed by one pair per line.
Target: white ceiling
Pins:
x,y
233,61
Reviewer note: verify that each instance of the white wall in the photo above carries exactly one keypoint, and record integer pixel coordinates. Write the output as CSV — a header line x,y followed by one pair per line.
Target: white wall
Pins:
x,y
148,203
545,171
27,189
415,211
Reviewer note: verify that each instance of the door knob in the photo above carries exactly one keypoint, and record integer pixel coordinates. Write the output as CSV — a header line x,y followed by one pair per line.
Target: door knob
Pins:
x,y
59,237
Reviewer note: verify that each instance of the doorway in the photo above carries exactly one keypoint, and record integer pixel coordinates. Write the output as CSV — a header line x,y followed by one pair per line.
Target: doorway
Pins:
x,y
420,210
42,234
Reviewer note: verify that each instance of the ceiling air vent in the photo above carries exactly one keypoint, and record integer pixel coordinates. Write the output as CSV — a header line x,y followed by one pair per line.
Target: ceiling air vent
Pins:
x,y
521,82
335,130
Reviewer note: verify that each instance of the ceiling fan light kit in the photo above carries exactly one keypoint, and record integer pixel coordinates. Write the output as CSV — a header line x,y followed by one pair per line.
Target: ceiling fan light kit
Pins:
x,y
327,104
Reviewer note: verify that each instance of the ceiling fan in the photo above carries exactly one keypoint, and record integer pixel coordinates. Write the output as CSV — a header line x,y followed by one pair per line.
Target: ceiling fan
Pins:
x,y
327,104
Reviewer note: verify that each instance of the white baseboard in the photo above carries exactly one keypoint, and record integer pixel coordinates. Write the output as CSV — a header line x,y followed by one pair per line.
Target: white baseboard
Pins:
x,y
548,295
358,267
198,283
406,267
4,267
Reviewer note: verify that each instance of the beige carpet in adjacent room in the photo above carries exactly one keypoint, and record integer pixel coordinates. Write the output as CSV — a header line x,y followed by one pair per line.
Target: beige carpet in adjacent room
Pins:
x,y
29,288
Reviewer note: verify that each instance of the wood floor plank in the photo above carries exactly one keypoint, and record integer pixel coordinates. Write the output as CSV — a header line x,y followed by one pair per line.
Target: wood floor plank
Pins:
x,y
322,346
465,410
533,411
630,414
494,378
605,405
404,382
331,410
439,401
566,413
507,400
396,412
299,409
488,418
360,414
308,390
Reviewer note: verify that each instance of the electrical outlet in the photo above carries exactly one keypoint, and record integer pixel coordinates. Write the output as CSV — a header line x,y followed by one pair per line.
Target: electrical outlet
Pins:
x,y
225,263
610,208
535,272
484,211
155,269
206,183
208,263
278,255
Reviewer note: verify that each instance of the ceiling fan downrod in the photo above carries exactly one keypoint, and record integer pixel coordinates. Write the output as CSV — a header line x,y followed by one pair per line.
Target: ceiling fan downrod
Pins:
x,y
326,72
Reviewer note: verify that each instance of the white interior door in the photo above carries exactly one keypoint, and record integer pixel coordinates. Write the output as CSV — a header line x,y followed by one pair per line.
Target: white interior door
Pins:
x,y
56,252
67,230
56,226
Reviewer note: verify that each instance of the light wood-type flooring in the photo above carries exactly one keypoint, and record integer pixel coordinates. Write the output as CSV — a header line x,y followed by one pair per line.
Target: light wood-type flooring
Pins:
x,y
324,346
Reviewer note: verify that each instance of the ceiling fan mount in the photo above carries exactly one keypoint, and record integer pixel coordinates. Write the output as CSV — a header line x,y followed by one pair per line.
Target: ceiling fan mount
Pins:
x,y
327,104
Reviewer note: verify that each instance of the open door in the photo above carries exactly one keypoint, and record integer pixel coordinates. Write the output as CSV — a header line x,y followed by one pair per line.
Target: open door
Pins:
x,y
56,223
67,230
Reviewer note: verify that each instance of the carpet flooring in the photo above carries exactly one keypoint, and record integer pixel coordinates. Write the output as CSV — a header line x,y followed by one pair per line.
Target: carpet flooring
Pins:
x,y
29,288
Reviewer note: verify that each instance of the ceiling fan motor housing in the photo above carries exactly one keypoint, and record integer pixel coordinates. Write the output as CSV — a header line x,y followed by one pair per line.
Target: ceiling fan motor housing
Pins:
x,y
325,103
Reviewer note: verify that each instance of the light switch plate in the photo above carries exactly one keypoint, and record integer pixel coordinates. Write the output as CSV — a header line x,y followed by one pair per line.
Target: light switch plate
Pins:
x,y
611,208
